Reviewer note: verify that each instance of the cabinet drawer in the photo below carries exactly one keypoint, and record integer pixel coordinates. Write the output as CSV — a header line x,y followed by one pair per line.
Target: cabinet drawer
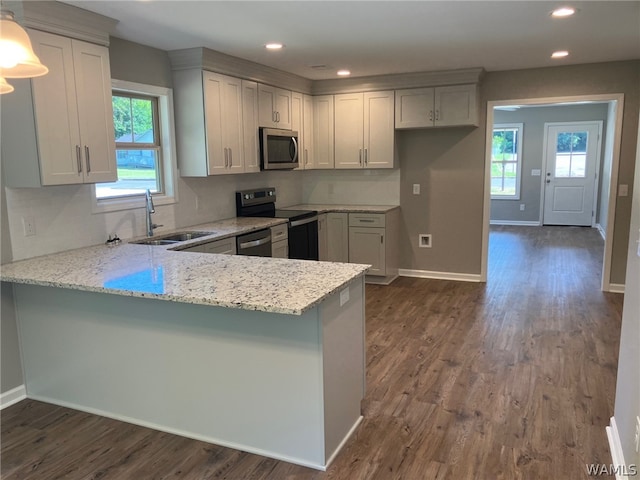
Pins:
x,y
366,219
280,249
226,246
279,232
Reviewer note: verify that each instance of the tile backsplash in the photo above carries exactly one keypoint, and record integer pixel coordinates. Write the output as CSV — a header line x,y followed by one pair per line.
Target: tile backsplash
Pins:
x,y
64,219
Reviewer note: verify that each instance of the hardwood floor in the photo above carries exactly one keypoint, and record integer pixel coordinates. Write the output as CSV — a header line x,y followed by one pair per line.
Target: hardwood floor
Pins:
x,y
513,379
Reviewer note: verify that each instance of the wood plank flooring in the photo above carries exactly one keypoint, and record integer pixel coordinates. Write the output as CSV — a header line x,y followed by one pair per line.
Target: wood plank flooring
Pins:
x,y
513,379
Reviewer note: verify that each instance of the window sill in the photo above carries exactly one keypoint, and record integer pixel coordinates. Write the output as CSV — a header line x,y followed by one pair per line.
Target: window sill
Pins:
x,y
129,203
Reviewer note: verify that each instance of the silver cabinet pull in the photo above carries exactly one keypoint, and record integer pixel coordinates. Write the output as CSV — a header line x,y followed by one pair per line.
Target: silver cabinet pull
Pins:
x,y
230,157
78,159
431,115
381,238
86,154
226,158
366,156
360,156
278,117
274,116
255,243
366,220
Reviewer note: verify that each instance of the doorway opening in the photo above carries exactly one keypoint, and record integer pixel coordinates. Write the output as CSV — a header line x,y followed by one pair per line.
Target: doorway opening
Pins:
x,y
566,181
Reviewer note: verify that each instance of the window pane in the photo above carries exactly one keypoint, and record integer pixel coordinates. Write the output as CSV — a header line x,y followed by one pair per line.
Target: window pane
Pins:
x,y
578,165
137,172
142,121
122,119
571,157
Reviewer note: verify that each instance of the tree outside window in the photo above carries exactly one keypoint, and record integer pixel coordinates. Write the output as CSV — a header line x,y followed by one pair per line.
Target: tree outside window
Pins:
x,y
506,161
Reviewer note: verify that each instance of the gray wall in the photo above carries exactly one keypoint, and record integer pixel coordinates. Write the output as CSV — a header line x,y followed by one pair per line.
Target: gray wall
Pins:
x,y
449,164
533,120
138,63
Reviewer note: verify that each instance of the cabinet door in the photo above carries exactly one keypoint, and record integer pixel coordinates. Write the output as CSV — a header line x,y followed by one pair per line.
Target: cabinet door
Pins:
x,y
323,238
56,111
95,111
366,245
280,249
456,105
338,237
307,159
226,246
267,106
414,108
233,140
323,133
379,131
213,86
297,124
349,123
283,108
250,126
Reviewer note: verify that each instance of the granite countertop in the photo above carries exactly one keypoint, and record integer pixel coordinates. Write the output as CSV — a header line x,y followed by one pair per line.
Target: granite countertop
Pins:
x,y
231,281
340,208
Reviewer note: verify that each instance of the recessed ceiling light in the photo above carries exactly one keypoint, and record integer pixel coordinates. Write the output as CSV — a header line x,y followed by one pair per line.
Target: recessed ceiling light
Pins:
x,y
563,12
274,46
343,73
559,54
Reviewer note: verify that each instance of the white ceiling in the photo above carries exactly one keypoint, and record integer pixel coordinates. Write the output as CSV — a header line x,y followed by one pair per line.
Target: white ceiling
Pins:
x,y
381,37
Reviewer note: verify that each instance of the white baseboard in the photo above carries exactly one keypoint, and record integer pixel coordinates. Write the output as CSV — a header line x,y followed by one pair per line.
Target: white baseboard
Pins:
x,y
603,234
522,223
461,277
617,456
616,287
12,396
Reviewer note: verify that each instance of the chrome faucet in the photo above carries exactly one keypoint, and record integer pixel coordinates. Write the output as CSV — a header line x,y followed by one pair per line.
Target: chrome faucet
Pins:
x,y
150,210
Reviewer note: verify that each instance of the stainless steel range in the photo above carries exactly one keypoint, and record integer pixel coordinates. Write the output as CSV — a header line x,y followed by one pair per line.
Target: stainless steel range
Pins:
x,y
303,224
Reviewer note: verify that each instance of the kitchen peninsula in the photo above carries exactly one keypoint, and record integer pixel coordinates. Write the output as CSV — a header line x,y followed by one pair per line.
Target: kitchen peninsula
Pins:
x,y
264,355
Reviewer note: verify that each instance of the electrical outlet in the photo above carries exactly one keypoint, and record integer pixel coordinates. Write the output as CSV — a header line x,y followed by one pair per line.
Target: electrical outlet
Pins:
x,y
522,207
29,224
637,434
416,189
424,240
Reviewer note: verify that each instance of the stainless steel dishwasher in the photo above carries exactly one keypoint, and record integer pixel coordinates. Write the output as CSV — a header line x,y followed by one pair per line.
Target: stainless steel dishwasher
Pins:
x,y
257,244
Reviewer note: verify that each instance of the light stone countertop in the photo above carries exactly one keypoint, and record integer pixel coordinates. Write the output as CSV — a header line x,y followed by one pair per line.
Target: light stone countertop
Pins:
x,y
342,208
231,281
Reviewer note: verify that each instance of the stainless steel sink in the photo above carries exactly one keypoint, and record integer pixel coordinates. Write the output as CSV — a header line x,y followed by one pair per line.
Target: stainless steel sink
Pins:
x,y
183,236
172,238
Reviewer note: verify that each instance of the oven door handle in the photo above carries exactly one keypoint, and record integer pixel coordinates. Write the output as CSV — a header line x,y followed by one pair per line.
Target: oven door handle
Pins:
x,y
297,223
255,243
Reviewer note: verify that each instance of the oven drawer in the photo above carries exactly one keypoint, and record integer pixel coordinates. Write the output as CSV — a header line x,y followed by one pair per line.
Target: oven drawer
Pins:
x,y
279,232
366,219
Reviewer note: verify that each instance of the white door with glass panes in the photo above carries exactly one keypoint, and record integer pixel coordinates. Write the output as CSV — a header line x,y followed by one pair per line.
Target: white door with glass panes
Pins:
x,y
572,158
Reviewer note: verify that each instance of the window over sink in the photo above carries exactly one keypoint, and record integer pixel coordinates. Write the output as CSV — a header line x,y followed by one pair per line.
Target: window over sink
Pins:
x,y
145,147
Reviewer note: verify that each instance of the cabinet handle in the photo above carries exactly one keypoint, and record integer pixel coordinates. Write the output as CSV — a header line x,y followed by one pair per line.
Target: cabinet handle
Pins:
x,y
437,115
86,154
230,157
78,159
360,157
365,220
274,117
226,158
366,156
431,115
278,117
381,238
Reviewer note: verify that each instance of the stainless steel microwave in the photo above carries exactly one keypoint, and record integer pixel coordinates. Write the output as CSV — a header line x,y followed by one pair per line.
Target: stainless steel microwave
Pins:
x,y
278,149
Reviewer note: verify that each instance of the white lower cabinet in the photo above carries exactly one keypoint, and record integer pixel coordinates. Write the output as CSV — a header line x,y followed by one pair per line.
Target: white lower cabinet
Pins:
x,y
225,246
280,241
373,240
323,239
337,237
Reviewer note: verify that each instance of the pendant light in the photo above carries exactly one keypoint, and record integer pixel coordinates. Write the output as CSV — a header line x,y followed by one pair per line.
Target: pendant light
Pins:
x,y
17,59
5,87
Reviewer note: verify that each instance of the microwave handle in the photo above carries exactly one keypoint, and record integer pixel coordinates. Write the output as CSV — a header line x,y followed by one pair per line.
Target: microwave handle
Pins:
x,y
295,151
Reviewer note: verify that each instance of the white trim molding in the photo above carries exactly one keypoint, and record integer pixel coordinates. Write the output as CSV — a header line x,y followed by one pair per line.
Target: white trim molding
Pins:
x,y
615,446
602,231
616,288
461,277
522,223
13,396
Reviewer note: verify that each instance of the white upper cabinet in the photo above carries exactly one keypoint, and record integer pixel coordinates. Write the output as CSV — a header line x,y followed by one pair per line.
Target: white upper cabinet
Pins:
x,y
297,122
275,107
73,117
307,159
323,132
365,122
436,107
250,126
210,124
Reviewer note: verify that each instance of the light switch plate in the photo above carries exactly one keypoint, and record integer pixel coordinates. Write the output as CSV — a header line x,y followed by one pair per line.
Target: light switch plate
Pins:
x,y
623,190
416,189
344,296
536,172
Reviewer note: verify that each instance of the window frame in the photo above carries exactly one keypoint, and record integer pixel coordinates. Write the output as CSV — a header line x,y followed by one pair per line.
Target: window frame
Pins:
x,y
168,171
519,127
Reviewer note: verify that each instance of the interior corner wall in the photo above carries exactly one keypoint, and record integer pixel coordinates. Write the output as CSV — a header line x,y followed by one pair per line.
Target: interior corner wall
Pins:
x,y
533,120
